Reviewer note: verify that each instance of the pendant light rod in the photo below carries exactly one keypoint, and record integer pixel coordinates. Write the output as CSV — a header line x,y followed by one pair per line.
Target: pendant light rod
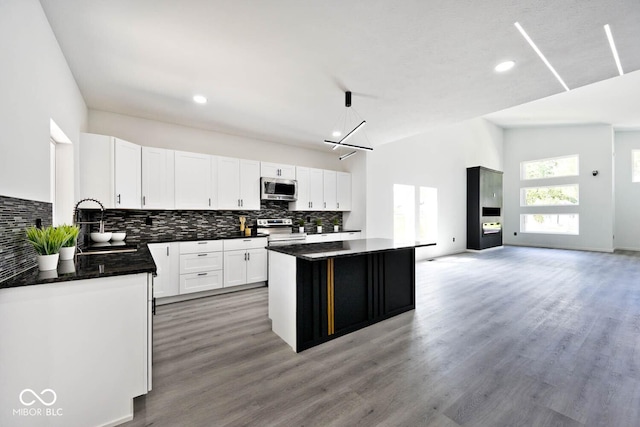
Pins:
x,y
346,156
347,136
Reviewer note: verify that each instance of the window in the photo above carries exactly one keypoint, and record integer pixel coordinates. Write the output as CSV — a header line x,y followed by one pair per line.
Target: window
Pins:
x,y
550,168
635,165
52,178
415,213
550,223
557,195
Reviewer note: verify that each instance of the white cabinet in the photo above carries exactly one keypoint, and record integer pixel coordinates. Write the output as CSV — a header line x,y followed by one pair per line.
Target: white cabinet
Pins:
x,y
332,237
245,261
200,266
329,190
157,178
195,181
128,177
310,190
167,259
238,184
350,235
277,170
320,190
343,191
110,171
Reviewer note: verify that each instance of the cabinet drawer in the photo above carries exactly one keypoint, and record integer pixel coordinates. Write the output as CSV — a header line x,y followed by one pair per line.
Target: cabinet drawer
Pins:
x,y
195,263
328,237
201,246
238,244
197,282
351,235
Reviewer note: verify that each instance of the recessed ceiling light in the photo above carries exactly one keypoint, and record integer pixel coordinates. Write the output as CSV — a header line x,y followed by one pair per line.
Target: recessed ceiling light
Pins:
x,y
544,59
612,44
199,99
336,133
504,66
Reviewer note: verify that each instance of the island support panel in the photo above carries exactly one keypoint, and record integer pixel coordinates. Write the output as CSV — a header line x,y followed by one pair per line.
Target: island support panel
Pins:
x,y
339,295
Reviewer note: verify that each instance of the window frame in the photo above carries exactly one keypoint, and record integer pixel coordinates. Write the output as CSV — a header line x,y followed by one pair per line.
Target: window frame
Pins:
x,y
557,233
523,197
524,162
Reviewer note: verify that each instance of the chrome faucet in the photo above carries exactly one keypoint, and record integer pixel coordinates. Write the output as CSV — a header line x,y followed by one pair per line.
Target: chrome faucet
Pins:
x,y
76,213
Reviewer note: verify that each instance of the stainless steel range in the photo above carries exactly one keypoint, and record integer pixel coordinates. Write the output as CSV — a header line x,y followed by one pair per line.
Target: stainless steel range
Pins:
x,y
279,231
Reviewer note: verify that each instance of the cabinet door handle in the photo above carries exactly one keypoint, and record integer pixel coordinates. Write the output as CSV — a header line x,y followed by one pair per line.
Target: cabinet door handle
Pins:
x,y
202,274
242,202
238,202
338,204
245,256
248,256
167,250
202,243
325,205
202,254
246,240
118,198
209,201
144,200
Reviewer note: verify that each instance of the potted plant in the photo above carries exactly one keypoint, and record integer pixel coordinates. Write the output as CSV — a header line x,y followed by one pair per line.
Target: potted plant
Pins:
x,y
319,225
68,249
47,243
336,225
301,225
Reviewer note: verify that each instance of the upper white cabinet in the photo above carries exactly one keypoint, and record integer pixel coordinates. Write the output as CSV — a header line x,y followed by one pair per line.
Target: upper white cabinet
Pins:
x,y
343,191
157,178
238,184
277,170
329,190
110,171
320,190
195,180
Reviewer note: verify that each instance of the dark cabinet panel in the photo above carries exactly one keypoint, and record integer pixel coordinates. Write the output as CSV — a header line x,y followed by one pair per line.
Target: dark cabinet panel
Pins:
x,y
343,294
351,293
399,271
484,208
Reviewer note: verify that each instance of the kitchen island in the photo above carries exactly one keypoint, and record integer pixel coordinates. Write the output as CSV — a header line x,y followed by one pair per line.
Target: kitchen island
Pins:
x,y
320,291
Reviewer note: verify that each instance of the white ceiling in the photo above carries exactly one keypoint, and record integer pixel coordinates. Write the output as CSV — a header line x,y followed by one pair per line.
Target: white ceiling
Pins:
x,y
277,70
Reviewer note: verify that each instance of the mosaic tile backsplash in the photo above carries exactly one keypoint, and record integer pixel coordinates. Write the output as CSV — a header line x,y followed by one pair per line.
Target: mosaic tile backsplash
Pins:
x,y
16,254
148,226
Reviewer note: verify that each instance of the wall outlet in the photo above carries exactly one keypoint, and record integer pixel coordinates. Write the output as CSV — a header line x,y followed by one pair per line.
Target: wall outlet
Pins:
x,y
308,219
148,221
38,223
515,233
454,239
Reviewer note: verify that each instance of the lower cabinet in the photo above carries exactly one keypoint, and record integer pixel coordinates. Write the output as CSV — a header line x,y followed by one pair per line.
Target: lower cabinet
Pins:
x,y
200,266
189,267
332,237
245,261
339,295
167,259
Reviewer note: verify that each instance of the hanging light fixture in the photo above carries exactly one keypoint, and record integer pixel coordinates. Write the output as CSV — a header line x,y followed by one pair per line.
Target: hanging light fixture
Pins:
x,y
349,117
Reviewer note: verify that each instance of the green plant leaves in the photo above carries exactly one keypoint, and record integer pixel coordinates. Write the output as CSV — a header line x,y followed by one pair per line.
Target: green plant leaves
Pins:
x,y
49,240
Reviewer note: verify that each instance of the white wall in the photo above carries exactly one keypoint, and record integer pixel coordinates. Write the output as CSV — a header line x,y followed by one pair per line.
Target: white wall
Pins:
x,y
154,133
435,159
627,193
36,85
594,145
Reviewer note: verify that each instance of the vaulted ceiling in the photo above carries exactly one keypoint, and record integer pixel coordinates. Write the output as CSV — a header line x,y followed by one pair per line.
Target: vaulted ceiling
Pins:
x,y
277,70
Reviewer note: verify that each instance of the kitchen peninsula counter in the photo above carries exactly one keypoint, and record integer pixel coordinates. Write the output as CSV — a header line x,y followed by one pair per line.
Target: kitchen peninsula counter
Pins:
x,y
320,291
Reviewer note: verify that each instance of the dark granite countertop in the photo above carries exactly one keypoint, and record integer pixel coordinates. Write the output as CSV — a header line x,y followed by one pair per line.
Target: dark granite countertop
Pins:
x,y
91,266
120,258
320,251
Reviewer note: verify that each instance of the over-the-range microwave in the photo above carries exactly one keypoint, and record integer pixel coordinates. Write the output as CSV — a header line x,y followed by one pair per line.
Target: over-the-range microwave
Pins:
x,y
278,189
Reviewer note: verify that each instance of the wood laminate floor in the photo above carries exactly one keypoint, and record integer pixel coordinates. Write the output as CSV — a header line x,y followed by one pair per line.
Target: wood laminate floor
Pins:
x,y
510,337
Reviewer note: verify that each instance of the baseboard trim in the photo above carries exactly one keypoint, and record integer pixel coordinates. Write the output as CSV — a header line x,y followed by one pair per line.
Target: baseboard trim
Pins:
x,y
568,248
195,295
